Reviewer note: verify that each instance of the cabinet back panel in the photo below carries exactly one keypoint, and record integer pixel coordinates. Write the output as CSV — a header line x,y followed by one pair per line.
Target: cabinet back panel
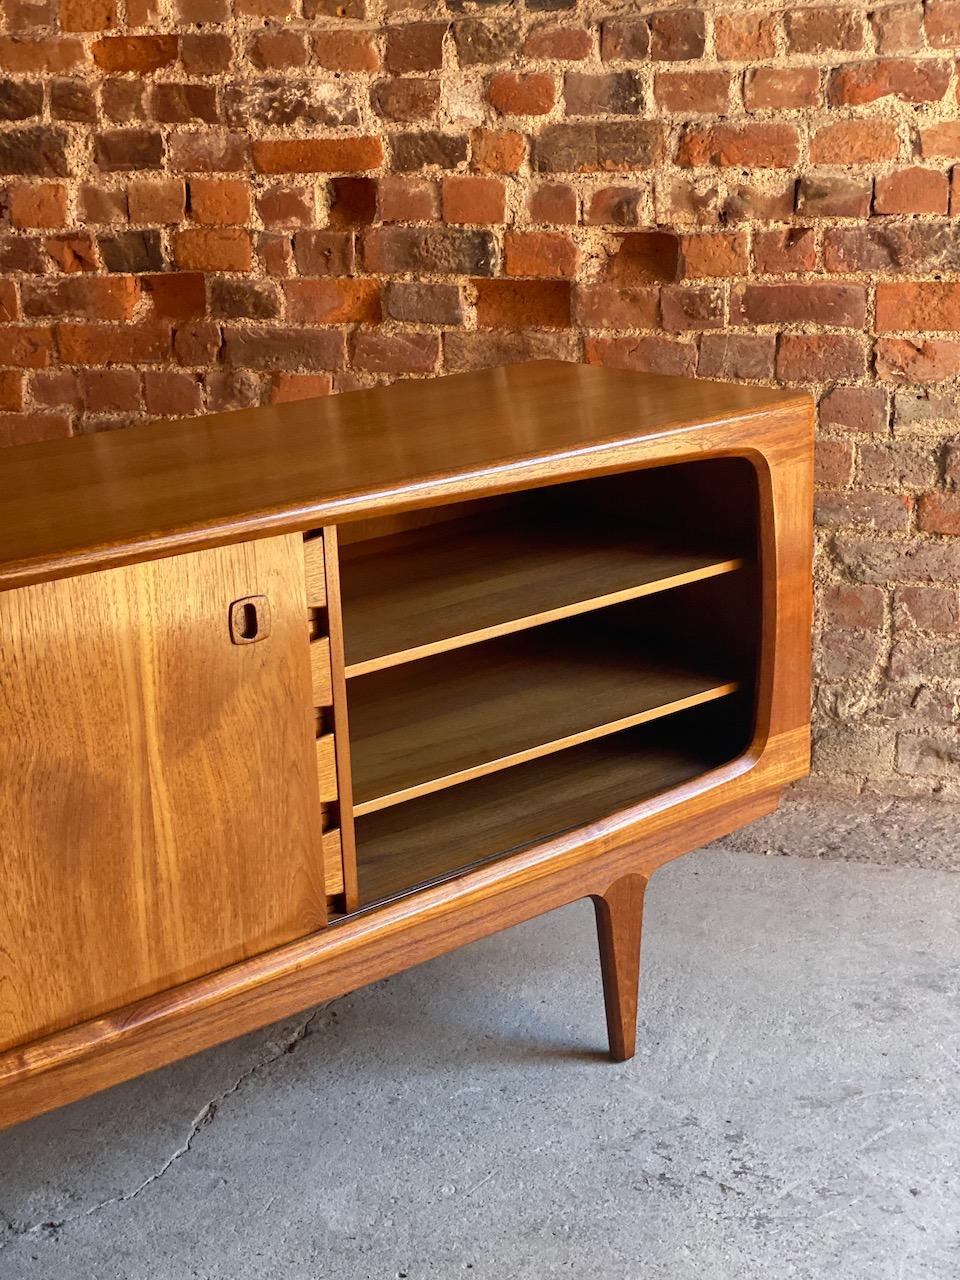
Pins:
x,y
159,810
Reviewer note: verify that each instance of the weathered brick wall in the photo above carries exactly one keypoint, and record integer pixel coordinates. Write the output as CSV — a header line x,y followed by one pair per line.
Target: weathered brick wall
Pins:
x,y
211,205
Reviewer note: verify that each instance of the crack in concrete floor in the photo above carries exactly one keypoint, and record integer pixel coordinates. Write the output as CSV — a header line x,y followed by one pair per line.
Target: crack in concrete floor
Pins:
x,y
204,1117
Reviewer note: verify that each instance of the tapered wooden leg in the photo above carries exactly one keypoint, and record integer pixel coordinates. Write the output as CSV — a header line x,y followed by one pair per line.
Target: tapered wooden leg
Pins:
x,y
619,922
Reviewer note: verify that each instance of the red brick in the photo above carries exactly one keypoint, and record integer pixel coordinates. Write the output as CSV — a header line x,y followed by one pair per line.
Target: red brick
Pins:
x,y
922,307
512,94
833,464
72,252
862,410
516,304
286,207
219,202
560,44
275,253
119,150
940,513
898,28
854,606
941,139
897,466
649,355
610,93
914,190
11,390
139,54
172,394
917,360
677,35
198,342
685,307
761,146
468,199
497,152
408,199
614,207
927,609
426,148
9,308
346,50
278,50
324,253
122,99
317,155
819,30
38,205
828,195
481,45
624,40
232,299
176,103
608,306
299,386
415,46
200,12
839,305
887,511
942,20
277,9
175,295
428,251
854,142
87,15
723,255
745,37
54,388
333,301
540,253
692,92
106,344
819,358
273,350
859,83
209,151
737,357
206,53
782,88
787,251
424,303
553,202
156,202
213,249
100,205
29,428
378,352
603,146
45,55
406,100
93,297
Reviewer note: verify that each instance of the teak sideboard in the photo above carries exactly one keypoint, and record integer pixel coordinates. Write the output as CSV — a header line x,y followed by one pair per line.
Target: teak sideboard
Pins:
x,y
296,697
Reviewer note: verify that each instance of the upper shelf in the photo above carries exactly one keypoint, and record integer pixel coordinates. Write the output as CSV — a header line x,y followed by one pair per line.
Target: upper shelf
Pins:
x,y
73,506
415,594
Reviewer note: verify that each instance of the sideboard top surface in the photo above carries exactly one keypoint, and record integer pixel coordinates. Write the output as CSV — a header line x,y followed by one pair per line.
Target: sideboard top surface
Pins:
x,y
92,502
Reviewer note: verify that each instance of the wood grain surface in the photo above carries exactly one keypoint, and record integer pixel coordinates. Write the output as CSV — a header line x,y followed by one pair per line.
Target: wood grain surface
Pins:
x,y
158,803
75,505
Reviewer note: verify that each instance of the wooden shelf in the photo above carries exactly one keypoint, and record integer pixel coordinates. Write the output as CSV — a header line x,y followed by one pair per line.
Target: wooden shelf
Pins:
x,y
420,593
461,715
442,835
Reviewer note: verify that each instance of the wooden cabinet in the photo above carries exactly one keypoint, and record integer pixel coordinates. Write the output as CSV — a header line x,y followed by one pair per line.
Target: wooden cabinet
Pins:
x,y
293,698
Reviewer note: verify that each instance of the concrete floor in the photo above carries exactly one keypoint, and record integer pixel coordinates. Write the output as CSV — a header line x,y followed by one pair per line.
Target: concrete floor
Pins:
x,y
793,1111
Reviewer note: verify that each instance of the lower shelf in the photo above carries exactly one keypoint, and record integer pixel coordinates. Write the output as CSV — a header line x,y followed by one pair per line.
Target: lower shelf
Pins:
x,y
441,835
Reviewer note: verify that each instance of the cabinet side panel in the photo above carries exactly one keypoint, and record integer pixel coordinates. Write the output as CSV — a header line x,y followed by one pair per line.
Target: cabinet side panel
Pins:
x,y
158,806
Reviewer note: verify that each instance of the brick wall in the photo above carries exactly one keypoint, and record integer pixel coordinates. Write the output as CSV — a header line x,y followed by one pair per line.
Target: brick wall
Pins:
x,y
210,205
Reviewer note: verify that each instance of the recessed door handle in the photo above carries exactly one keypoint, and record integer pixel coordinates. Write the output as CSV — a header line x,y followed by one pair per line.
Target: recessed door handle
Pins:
x,y
249,619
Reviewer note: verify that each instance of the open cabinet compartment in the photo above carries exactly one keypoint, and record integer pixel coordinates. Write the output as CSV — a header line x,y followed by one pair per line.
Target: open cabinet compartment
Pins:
x,y
524,665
